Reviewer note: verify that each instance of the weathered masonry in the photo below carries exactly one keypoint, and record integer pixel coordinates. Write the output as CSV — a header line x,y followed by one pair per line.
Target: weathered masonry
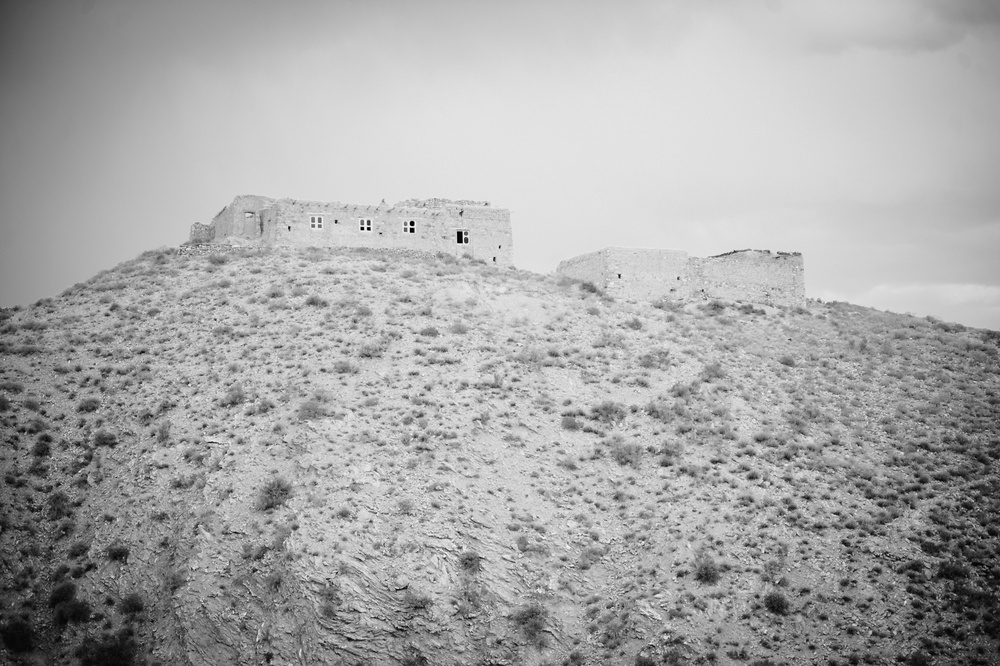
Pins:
x,y
757,276
471,228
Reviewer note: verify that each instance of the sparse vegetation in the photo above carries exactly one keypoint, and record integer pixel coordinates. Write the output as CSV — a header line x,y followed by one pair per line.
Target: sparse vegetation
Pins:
x,y
637,472
118,649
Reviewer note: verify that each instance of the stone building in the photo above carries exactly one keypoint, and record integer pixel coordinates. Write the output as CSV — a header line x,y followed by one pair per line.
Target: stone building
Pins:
x,y
471,228
757,276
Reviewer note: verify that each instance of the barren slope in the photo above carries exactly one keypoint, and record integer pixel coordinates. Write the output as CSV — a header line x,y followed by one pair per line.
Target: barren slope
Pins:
x,y
357,457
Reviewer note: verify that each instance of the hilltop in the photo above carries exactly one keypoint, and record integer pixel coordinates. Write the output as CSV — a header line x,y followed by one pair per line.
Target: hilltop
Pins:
x,y
374,457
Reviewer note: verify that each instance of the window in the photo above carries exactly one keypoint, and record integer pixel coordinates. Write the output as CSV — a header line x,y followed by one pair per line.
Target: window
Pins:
x,y
315,221
365,224
409,227
463,237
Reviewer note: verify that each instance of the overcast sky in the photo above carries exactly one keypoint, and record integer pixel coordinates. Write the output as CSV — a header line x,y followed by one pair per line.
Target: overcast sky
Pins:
x,y
862,133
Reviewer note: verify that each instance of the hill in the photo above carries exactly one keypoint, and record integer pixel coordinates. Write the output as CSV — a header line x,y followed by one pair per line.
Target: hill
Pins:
x,y
362,457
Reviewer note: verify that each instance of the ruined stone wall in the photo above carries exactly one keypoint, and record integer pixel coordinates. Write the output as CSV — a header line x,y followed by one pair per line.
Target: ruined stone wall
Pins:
x,y
759,276
201,233
625,272
590,267
240,219
435,223
647,274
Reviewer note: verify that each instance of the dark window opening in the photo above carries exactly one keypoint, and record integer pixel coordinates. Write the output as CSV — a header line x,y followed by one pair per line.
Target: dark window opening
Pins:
x,y
365,224
494,260
315,221
289,228
409,227
619,276
462,237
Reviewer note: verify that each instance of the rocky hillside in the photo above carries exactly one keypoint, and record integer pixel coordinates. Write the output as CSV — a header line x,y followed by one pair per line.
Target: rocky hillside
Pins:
x,y
332,457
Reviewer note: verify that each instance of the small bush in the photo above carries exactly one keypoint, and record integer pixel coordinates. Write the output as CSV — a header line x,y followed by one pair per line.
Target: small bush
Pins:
x,y
589,287
776,603
105,438
234,396
787,361
344,368
263,406
658,359
590,556
316,301
470,561
415,601
373,349
273,494
634,323
132,604
117,553
88,405
570,423
41,448
712,371
59,505
11,386
705,569
62,593
311,409
217,259
4,403
74,610
608,412
17,636
430,332
627,454
531,619
78,549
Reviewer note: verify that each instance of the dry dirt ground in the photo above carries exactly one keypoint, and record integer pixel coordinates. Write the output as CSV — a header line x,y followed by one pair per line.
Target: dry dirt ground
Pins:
x,y
305,457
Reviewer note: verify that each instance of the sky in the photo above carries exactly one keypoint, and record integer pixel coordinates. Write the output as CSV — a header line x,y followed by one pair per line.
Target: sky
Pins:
x,y
864,134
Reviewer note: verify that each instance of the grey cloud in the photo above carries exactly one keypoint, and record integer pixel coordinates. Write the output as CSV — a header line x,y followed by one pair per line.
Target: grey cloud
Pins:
x,y
836,26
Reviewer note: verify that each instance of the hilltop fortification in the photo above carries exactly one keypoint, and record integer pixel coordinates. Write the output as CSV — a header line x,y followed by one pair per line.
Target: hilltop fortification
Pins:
x,y
758,276
458,228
